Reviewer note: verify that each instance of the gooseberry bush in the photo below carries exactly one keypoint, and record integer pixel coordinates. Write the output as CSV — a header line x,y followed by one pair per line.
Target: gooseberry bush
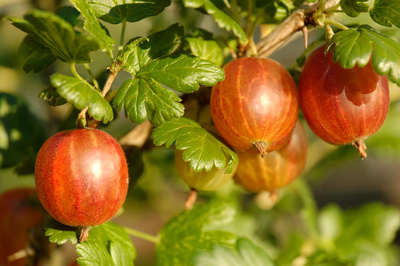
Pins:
x,y
241,107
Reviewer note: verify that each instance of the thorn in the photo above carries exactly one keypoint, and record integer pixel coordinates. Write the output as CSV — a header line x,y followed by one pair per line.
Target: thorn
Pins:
x,y
304,30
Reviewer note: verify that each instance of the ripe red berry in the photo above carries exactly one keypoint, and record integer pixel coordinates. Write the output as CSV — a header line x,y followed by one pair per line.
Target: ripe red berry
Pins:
x,y
81,177
256,105
342,106
275,170
18,215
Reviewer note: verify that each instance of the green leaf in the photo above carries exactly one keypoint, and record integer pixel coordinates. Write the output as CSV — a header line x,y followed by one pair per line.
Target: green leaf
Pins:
x,y
107,244
186,234
367,232
34,61
206,49
386,12
51,95
201,148
359,45
244,253
59,233
93,26
81,95
147,98
48,33
222,19
354,8
276,9
21,133
117,11
70,14
139,52
155,70
182,73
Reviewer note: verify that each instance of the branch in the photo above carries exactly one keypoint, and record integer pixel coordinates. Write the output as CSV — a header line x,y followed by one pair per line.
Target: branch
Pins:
x,y
300,18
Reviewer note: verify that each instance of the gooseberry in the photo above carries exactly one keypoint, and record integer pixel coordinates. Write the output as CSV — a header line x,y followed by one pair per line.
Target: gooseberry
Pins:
x,y
18,216
342,106
81,177
256,106
275,170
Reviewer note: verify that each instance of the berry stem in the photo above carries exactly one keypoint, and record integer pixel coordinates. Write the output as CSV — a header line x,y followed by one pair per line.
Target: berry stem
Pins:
x,y
262,148
84,234
361,147
142,235
191,199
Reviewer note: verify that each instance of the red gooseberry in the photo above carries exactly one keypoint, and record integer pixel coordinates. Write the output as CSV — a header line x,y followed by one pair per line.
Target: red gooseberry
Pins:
x,y
342,106
256,106
81,177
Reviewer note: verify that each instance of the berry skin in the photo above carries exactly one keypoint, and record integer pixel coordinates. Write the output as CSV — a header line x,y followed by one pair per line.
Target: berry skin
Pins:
x,y
275,170
204,181
18,216
81,177
342,106
256,106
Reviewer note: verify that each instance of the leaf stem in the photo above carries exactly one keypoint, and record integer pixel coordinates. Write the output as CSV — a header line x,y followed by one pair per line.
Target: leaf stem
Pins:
x,y
75,73
142,235
95,83
246,28
332,22
122,37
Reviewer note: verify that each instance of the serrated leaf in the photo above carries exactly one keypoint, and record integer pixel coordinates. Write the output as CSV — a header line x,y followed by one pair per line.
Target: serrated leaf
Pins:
x,y
130,50
48,33
146,98
386,12
93,26
183,236
182,73
59,233
359,45
156,70
201,148
354,8
206,49
138,53
83,95
107,244
51,95
276,9
117,11
34,61
244,253
222,19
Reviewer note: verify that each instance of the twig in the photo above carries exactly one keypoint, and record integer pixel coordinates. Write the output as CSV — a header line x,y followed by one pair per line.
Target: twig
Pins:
x,y
295,22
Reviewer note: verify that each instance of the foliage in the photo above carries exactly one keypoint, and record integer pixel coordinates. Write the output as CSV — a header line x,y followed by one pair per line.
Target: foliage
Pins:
x,y
158,79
